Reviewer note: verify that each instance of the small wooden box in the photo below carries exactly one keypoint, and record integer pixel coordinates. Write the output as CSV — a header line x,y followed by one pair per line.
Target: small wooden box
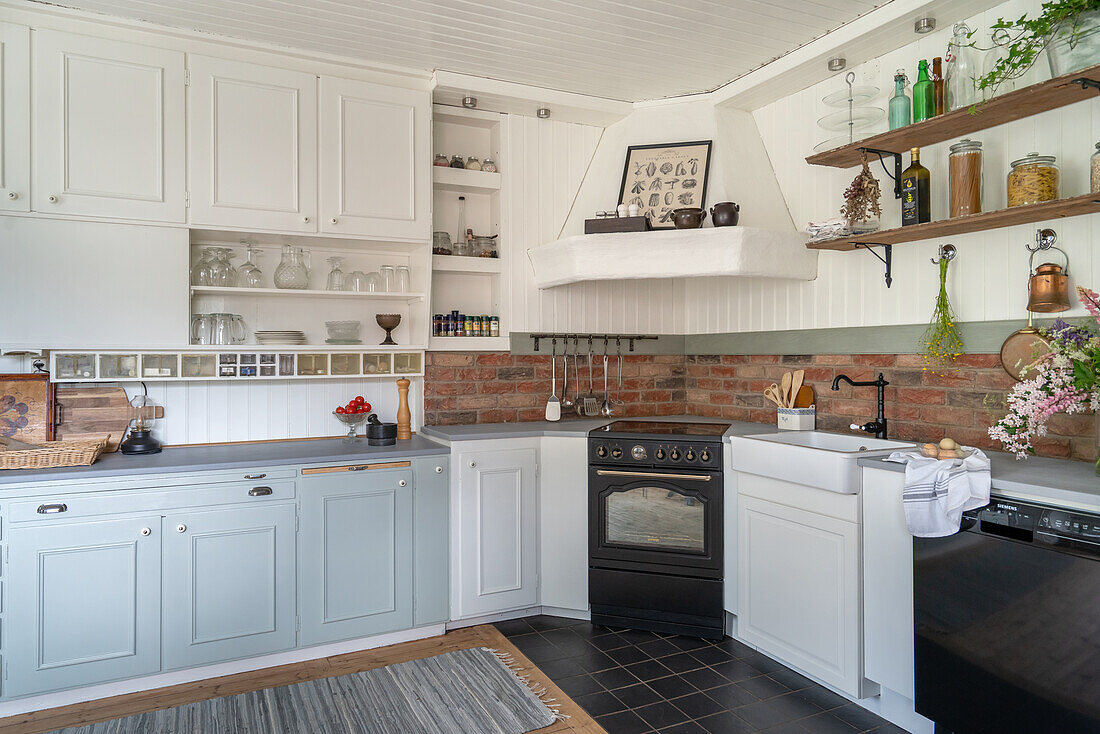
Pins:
x,y
616,224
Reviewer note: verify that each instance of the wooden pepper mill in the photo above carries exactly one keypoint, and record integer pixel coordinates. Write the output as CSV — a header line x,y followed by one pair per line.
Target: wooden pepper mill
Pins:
x,y
404,415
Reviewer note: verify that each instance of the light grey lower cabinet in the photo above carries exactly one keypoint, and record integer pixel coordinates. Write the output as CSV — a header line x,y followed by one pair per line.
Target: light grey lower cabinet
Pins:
x,y
356,551
431,540
229,584
84,603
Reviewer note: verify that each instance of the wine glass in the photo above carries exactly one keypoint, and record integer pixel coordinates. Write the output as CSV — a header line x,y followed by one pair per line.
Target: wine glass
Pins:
x,y
249,274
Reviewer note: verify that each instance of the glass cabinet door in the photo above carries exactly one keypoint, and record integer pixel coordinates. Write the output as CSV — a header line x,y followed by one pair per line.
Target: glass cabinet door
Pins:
x,y
406,363
655,518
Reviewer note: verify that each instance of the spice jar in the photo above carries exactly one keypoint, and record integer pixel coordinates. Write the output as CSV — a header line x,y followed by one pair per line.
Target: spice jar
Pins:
x,y
489,166
484,247
473,164
456,161
440,160
1033,179
965,167
1095,189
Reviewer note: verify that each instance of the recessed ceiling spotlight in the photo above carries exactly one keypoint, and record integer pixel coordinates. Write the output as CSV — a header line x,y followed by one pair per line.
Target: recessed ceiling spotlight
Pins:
x,y
543,113
838,63
469,102
924,25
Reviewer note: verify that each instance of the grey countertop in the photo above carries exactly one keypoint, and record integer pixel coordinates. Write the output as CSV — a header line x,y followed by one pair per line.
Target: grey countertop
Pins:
x,y
577,428
228,456
1052,481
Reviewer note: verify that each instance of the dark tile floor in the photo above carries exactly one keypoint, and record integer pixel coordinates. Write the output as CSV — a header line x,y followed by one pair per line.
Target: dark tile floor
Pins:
x,y
638,682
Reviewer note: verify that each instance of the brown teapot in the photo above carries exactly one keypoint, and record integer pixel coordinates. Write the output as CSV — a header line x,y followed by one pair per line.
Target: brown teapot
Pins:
x,y
724,214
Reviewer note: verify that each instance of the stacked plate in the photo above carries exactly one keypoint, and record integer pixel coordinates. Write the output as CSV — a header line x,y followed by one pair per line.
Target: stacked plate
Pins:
x,y
281,337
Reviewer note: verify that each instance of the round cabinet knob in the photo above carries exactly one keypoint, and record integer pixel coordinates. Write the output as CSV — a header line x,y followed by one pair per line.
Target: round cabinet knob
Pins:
x,y
439,470
181,528
333,220
674,454
52,199
305,219
146,531
12,195
473,464
705,456
402,483
616,453
690,455
601,451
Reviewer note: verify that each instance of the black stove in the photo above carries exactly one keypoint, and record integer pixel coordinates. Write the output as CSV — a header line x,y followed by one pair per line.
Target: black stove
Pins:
x,y
655,526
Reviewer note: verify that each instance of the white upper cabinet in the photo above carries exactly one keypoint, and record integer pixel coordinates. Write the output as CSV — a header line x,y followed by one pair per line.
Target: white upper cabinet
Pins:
x,y
15,118
109,129
253,146
375,160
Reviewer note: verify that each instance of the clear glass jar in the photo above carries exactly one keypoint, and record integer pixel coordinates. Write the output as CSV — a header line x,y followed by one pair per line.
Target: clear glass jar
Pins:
x,y
473,164
1095,176
965,166
441,243
389,278
456,161
484,247
403,278
1033,180
489,165
440,160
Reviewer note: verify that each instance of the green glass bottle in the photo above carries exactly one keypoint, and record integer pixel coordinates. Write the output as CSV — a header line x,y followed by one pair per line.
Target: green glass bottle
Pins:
x,y
916,193
901,113
924,94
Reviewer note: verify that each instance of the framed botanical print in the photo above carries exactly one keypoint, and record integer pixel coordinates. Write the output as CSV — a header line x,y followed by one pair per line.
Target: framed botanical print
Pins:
x,y
666,176
27,408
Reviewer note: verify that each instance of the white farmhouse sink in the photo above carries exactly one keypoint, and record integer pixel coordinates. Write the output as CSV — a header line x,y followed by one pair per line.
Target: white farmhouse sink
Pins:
x,y
813,458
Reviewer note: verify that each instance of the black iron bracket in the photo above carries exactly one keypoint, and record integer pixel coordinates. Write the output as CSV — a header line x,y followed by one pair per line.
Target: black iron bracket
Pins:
x,y
888,260
1087,83
896,175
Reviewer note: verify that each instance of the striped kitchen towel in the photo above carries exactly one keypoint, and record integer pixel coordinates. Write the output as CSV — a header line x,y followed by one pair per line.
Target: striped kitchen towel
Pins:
x,y
938,491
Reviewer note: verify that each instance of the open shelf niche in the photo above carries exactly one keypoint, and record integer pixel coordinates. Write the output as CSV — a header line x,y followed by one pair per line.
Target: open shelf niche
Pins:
x,y
472,285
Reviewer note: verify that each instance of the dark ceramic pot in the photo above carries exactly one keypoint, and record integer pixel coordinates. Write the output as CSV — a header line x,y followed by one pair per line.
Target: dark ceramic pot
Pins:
x,y
688,217
379,433
724,214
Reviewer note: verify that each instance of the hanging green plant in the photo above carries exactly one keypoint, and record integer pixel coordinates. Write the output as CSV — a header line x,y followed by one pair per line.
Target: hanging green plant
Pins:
x,y
942,343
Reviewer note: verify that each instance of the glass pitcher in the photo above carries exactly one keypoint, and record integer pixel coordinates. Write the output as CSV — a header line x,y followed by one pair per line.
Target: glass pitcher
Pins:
x,y
237,331
202,328
223,329
293,270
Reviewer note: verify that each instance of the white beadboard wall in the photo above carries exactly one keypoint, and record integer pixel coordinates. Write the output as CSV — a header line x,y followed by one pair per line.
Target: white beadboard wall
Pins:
x,y
988,279
543,168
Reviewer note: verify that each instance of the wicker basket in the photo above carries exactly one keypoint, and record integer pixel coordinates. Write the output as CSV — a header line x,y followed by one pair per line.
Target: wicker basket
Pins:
x,y
54,454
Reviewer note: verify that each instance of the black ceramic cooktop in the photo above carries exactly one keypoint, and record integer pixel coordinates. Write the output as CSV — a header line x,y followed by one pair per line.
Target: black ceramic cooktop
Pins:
x,y
662,428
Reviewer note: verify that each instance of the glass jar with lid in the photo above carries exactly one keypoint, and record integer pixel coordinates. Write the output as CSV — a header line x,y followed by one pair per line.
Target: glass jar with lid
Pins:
x,y
1095,189
456,161
489,165
441,160
473,164
484,247
965,166
1033,180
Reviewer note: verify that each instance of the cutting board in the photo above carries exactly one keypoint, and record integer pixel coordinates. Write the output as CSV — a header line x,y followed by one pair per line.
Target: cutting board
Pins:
x,y
92,412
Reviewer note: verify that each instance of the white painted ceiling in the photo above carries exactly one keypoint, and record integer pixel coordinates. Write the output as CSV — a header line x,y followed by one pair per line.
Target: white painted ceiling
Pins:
x,y
620,49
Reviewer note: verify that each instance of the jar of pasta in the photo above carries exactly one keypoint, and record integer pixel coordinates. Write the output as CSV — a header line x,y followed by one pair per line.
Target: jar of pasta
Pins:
x,y
1033,179
965,164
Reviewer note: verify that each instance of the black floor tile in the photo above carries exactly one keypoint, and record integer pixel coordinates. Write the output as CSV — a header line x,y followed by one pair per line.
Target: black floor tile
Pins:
x,y
513,627
735,648
624,722
661,714
698,705
858,717
704,679
711,655
822,697
607,642
636,637
732,696
614,678
658,648
736,670
577,685
544,622
726,723
672,687
789,678
681,662
558,669
627,655
648,670
764,687
637,695
688,643
594,661
776,711
688,727
599,704
826,724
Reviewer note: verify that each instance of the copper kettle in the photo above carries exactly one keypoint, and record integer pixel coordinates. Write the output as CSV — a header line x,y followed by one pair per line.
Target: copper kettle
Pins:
x,y
1048,285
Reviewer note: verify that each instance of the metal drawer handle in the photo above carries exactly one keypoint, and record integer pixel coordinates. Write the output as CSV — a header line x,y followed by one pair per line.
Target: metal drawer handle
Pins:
x,y
259,492
254,476
652,475
52,509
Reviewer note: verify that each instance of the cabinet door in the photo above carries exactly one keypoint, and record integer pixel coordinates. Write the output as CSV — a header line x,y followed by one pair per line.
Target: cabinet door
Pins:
x,y
356,554
798,574
563,522
229,584
253,146
15,118
375,160
432,538
109,129
496,546
84,604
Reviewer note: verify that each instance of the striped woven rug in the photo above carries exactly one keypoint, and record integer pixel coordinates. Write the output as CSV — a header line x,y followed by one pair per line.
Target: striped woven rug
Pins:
x,y
462,692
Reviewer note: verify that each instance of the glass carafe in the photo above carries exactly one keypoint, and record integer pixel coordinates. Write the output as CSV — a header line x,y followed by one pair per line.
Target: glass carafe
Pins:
x,y
293,270
201,271
961,71
249,274
336,275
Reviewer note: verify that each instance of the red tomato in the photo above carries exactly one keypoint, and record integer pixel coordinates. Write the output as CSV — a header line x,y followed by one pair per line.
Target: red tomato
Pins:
x,y
359,399
366,407
341,410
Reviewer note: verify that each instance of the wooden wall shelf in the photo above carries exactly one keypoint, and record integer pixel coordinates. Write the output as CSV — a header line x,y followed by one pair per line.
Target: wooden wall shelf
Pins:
x,y
1072,207
1008,107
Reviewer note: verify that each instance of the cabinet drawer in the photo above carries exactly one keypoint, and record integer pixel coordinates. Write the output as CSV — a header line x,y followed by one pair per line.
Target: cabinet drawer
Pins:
x,y
67,506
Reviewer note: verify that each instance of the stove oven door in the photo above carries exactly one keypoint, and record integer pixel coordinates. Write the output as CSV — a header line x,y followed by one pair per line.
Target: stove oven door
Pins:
x,y
656,520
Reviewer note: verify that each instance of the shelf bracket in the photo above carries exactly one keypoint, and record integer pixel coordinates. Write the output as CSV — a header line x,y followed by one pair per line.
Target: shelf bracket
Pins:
x,y
896,175
1087,83
888,260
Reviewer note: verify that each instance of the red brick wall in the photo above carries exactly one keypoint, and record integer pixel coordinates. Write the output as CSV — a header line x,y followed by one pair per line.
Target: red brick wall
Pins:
x,y
493,387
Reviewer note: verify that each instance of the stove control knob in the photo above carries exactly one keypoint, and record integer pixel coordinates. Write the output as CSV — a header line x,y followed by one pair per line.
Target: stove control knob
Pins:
x,y
690,455
660,455
638,452
616,453
704,456
601,451
674,454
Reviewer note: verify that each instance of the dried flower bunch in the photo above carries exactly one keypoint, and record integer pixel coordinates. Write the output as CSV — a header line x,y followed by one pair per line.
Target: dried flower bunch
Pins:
x,y
861,198
942,342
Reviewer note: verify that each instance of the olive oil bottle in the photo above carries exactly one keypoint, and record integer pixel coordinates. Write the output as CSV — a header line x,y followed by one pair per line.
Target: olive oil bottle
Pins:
x,y
916,198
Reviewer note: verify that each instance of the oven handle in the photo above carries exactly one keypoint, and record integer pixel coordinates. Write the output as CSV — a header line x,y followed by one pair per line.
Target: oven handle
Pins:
x,y
652,475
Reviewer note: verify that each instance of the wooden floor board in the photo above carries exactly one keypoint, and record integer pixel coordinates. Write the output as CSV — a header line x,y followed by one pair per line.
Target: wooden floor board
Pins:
x,y
89,712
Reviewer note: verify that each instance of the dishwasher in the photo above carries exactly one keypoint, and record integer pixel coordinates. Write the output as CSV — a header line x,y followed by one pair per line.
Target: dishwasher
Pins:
x,y
1007,622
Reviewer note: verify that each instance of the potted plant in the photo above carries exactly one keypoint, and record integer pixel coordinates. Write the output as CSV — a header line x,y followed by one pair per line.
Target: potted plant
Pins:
x,y
1068,30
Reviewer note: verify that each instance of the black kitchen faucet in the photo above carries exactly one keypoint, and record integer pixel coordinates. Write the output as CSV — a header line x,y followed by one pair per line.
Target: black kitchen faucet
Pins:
x,y
877,426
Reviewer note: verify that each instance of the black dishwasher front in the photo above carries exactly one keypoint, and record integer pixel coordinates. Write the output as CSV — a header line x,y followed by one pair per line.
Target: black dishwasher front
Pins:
x,y
1007,622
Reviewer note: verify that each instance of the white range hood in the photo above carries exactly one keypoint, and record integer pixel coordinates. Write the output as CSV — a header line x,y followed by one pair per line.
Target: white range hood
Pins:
x,y
745,252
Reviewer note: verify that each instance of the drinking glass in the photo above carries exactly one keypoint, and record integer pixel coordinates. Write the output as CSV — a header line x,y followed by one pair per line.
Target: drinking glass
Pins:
x,y
357,281
374,283
403,276
238,331
336,275
202,328
388,278
249,274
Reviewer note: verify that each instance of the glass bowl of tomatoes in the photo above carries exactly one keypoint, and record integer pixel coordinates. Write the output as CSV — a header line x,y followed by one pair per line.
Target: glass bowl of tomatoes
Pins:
x,y
353,415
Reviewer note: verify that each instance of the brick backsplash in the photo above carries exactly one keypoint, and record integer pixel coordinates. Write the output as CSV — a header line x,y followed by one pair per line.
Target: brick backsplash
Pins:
x,y
490,387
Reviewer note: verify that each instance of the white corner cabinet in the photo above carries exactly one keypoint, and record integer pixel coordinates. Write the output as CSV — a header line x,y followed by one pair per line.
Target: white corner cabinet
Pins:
x,y
798,576
15,123
124,577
